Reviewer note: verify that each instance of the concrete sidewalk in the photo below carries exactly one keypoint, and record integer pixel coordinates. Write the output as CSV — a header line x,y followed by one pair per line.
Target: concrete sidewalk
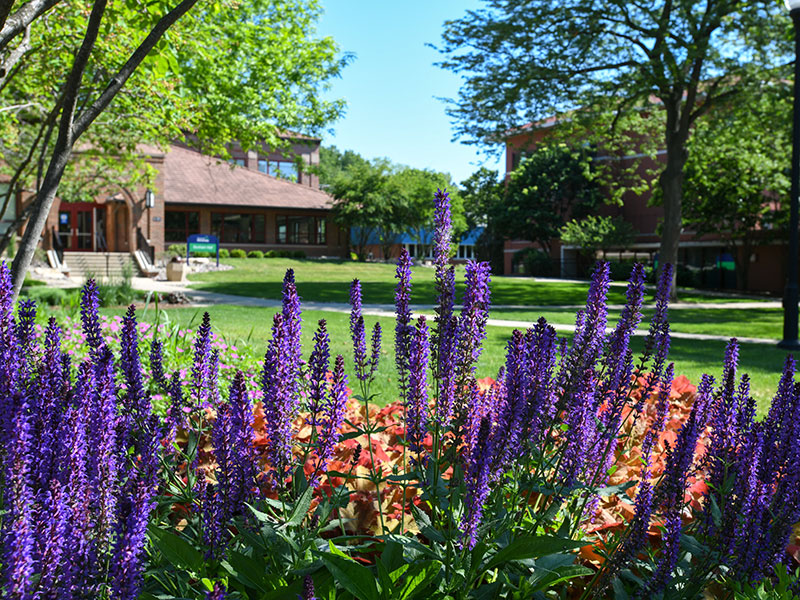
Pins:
x,y
206,298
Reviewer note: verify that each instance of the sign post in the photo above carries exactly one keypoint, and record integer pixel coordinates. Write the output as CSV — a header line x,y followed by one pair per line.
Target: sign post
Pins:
x,y
202,243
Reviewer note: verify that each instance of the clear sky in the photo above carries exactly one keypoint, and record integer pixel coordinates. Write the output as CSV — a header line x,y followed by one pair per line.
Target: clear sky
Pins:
x,y
391,85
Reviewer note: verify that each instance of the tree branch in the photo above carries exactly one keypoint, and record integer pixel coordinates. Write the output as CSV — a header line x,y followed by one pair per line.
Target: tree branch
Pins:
x,y
14,57
115,85
20,20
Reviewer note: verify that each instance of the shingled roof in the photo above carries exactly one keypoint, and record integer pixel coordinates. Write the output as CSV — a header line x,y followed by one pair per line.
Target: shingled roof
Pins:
x,y
194,178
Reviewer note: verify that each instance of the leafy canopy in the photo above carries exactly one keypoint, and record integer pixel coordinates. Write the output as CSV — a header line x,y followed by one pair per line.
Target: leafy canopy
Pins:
x,y
553,184
594,233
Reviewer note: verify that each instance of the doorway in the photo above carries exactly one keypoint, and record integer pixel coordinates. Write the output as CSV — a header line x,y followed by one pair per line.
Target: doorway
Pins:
x,y
76,226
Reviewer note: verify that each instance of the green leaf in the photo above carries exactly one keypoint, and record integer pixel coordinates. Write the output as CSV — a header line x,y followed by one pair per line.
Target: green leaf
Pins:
x,y
531,547
419,576
300,509
355,578
550,579
176,550
248,570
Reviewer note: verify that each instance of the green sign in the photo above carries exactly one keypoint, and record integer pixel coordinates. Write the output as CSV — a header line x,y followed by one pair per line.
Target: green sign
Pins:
x,y
202,247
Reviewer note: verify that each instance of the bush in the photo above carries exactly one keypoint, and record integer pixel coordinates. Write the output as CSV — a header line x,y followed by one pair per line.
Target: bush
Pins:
x,y
298,254
535,262
50,296
224,253
270,254
238,253
176,250
255,254
621,271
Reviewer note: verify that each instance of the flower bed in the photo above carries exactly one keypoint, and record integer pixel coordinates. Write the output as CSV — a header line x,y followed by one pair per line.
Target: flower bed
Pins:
x,y
137,465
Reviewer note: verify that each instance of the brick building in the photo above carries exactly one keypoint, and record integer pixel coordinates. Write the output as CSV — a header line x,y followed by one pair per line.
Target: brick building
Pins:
x,y
259,200
704,261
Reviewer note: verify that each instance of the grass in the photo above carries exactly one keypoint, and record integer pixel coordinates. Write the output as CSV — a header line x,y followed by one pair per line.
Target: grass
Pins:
x,y
251,326
728,322
329,281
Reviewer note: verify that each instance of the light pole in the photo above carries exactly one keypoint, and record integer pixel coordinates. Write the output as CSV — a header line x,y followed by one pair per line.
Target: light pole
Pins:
x,y
790,296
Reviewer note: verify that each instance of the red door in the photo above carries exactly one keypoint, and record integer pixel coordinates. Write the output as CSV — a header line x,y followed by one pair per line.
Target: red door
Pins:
x,y
76,226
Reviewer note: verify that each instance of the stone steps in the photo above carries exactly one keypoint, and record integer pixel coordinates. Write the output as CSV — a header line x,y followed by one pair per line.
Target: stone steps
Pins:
x,y
102,265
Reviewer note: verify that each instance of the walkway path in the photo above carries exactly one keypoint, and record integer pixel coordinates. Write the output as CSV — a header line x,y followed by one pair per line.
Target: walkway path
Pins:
x,y
206,298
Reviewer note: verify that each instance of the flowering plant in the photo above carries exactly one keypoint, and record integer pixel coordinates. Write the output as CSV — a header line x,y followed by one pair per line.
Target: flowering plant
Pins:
x,y
579,470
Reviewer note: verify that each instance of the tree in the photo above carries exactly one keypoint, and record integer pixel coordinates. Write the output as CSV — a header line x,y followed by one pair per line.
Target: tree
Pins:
x,y
594,233
523,61
380,200
736,174
223,76
481,193
555,183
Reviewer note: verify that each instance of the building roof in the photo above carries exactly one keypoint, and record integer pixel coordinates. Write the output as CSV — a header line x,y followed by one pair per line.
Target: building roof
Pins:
x,y
194,178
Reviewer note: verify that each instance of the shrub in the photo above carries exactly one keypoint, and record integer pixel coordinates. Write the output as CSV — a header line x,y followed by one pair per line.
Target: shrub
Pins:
x,y
238,253
224,253
298,254
535,262
176,250
621,271
255,254
270,254
48,295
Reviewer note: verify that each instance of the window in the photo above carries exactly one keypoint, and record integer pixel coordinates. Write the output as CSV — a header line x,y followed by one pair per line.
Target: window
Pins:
x,y
245,228
239,162
263,165
11,211
180,224
301,230
283,169
466,252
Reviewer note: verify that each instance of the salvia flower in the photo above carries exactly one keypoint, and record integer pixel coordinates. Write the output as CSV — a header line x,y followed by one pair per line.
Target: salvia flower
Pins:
x,y
278,380
477,476
332,418
292,320
202,360
308,589
358,332
90,303
318,364
474,314
417,404
669,559
219,592
404,330
442,227
375,350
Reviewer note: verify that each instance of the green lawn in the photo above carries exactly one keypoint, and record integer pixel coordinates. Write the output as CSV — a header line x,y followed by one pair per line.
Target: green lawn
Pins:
x,y
729,322
250,327
329,281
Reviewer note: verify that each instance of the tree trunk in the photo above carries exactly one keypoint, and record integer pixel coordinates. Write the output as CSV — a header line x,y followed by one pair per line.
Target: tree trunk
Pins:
x,y
671,181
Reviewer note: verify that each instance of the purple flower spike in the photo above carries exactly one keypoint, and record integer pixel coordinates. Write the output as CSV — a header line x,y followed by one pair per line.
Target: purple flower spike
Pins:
x,y
404,330
278,384
332,419
127,565
136,399
357,331
417,406
669,559
292,320
318,364
90,302
219,592
308,589
375,353
157,364
472,324
477,475
202,361
443,228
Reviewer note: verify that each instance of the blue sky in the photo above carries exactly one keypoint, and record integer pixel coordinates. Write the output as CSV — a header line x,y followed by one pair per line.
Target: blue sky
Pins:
x,y
390,86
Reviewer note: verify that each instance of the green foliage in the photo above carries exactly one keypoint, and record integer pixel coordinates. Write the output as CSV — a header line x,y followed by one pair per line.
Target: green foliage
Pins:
x,y
783,586
535,262
255,254
594,233
737,179
177,249
226,71
224,253
552,184
385,200
238,253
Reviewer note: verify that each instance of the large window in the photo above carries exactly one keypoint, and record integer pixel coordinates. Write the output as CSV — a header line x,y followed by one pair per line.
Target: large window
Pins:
x,y
283,169
180,224
301,230
11,211
243,228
